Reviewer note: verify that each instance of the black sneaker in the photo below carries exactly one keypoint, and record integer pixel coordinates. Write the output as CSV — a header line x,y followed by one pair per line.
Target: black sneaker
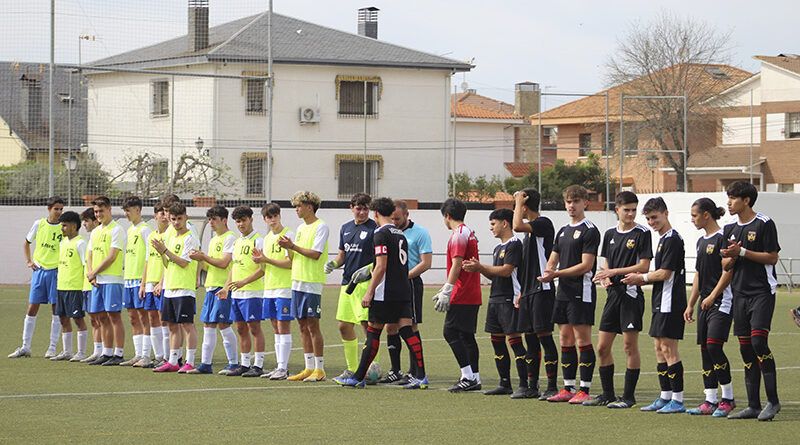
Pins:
x,y
102,359
499,391
621,403
600,400
747,413
465,385
391,377
113,361
238,372
525,393
254,371
769,411
548,393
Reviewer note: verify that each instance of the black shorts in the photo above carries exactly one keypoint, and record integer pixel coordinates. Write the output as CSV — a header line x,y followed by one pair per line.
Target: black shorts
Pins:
x,y
574,312
536,312
178,309
417,289
501,316
713,324
462,317
70,304
752,313
389,311
622,313
668,325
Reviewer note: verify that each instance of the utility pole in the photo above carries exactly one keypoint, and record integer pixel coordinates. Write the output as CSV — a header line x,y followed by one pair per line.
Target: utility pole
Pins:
x,y
269,102
51,187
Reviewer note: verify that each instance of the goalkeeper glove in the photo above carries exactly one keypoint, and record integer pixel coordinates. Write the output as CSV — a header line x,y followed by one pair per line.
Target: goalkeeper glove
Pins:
x,y
330,265
442,298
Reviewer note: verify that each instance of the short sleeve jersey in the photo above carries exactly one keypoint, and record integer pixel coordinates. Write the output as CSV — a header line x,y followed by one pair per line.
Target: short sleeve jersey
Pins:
x,y
572,241
751,279
390,242
536,250
709,269
509,252
626,249
464,244
670,295
419,243
356,242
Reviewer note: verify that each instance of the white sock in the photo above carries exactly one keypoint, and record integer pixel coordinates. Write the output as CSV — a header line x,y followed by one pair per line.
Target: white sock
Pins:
x,y
66,340
677,396
569,383
246,359
145,352
27,331
319,363
259,360
309,358
190,353
278,351
83,337
586,384
55,331
229,344
108,352
119,352
157,342
137,345
727,391
98,348
173,356
476,376
209,343
711,395
165,338
286,349
466,372
666,395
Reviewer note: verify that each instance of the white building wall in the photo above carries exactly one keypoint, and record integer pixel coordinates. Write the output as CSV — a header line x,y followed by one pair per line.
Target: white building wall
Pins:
x,y
739,131
483,147
779,85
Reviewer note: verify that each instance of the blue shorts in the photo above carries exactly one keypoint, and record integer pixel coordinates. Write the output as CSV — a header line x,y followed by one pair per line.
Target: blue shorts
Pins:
x,y
106,298
278,309
43,287
247,309
86,295
131,300
305,305
214,309
152,302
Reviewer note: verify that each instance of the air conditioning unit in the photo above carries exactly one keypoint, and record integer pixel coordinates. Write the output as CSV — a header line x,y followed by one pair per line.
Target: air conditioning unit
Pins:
x,y
309,115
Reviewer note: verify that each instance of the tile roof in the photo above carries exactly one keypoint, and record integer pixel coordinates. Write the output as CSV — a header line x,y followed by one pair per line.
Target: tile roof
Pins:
x,y
722,157
293,41
592,108
789,62
520,169
475,106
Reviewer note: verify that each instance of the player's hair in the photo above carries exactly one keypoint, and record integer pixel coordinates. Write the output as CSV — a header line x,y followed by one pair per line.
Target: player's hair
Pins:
x,y
454,208
177,209
270,209
401,204
654,205
707,205
576,192
53,200
88,215
626,197
242,212
743,189
306,197
70,217
169,199
158,207
217,211
502,215
533,200
384,206
132,201
102,201
360,199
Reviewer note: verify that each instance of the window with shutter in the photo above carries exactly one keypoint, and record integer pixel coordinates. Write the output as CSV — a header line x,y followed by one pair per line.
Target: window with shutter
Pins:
x,y
159,101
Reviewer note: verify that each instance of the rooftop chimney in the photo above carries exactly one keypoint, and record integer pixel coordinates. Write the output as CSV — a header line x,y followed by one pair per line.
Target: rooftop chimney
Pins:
x,y
527,99
368,22
198,25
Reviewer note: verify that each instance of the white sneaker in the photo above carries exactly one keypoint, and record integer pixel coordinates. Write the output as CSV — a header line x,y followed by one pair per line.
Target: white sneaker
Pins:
x,y
268,374
20,352
61,357
50,353
91,358
144,362
279,374
131,362
78,357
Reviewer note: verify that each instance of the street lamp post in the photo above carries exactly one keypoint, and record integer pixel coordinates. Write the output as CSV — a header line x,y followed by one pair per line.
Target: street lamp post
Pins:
x,y
652,164
199,144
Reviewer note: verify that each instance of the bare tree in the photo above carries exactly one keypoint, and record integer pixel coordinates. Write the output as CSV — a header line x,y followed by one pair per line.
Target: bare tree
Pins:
x,y
672,56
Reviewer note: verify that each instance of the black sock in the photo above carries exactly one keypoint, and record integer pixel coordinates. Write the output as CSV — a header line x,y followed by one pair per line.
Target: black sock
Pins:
x,y
569,366
457,345
502,360
663,380
586,365
369,352
414,344
519,360
767,363
533,357
607,380
550,361
412,360
722,367
752,373
709,376
631,379
675,374
472,350
394,345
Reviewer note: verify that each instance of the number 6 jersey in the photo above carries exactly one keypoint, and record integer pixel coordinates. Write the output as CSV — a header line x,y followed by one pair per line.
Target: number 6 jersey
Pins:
x,y
390,242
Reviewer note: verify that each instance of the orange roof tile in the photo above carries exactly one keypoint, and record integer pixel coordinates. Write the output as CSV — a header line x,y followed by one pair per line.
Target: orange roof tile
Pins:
x,y
520,169
470,105
789,62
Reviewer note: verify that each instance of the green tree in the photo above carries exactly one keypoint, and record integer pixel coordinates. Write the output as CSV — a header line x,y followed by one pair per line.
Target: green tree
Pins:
x,y
30,180
555,179
477,189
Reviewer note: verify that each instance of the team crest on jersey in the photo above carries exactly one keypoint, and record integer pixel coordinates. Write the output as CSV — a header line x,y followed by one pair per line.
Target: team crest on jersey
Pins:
x,y
363,235
659,247
751,236
502,254
630,244
710,249
576,235
285,310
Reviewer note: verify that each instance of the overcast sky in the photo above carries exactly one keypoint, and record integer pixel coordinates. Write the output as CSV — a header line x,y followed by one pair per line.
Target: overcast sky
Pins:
x,y
562,45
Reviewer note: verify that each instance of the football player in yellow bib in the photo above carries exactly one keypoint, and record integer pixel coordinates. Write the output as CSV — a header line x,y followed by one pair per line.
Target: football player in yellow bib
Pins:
x,y
90,223
135,259
150,290
71,260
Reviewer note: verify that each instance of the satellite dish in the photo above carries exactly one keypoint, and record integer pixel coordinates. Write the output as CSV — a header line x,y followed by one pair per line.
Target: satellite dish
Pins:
x,y
464,86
